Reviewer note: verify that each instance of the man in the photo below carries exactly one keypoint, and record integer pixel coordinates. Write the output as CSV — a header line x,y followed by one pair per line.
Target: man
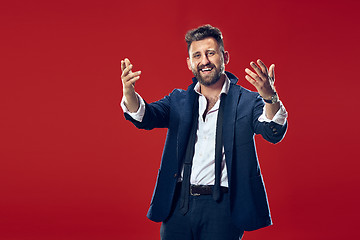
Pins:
x,y
209,185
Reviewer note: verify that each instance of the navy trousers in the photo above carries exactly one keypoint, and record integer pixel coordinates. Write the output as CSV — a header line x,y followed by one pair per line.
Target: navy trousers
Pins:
x,y
205,220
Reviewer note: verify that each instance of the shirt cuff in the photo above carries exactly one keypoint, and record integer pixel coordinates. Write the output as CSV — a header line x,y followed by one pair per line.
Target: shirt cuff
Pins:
x,y
139,115
279,118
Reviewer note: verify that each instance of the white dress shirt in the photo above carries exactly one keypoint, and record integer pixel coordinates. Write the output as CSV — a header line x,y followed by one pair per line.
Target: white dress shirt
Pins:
x,y
203,167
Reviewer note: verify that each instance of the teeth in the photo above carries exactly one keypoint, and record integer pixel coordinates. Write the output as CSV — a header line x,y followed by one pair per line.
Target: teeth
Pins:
x,y
206,69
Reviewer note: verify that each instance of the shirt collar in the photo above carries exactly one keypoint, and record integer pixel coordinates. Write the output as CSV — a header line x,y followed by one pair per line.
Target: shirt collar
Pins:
x,y
224,89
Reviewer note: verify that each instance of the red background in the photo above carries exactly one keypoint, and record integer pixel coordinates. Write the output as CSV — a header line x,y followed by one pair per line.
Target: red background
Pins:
x,y
66,150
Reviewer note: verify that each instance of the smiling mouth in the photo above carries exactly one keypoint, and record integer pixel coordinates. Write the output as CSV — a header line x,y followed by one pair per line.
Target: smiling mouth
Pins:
x,y
206,69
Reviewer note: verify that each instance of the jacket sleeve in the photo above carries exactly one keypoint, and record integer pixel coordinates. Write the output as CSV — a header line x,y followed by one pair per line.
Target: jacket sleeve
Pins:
x,y
270,131
156,115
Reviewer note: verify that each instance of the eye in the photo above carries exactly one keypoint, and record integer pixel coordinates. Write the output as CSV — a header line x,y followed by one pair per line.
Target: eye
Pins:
x,y
211,53
197,55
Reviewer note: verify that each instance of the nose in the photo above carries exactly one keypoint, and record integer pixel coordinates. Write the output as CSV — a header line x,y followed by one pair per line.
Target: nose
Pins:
x,y
204,60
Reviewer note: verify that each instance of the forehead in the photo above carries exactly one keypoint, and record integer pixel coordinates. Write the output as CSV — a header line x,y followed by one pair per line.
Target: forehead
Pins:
x,y
203,45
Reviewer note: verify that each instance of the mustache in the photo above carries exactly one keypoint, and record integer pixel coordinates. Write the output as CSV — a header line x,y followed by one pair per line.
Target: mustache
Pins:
x,y
210,65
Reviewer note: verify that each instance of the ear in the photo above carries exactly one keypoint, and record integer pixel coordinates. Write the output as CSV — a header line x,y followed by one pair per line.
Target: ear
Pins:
x,y
226,57
188,61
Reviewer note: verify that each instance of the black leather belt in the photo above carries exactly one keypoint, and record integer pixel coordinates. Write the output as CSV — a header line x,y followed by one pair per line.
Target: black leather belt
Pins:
x,y
197,190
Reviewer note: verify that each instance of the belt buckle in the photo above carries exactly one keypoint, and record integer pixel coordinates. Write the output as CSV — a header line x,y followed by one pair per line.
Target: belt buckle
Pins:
x,y
193,194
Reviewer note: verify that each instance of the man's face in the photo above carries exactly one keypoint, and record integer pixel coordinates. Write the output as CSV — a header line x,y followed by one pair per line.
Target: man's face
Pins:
x,y
207,61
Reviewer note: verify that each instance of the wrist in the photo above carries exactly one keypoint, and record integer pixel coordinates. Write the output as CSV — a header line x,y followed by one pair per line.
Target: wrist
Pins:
x,y
131,102
274,98
129,93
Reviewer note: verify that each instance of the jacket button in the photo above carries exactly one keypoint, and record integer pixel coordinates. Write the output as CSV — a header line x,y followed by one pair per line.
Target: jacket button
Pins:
x,y
175,175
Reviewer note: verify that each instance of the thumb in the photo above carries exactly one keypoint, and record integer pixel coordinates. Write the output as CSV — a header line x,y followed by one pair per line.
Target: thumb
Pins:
x,y
272,71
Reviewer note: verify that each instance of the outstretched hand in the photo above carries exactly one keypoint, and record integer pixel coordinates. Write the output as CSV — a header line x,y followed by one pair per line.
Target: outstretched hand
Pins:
x,y
128,78
262,79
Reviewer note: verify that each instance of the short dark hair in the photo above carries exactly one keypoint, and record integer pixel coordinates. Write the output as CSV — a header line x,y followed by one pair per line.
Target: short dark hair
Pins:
x,y
203,32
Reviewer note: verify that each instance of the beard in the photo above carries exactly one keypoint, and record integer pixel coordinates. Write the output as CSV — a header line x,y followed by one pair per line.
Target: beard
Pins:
x,y
211,78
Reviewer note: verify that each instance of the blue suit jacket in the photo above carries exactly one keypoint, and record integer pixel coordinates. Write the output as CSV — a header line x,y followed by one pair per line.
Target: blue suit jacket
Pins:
x,y
249,205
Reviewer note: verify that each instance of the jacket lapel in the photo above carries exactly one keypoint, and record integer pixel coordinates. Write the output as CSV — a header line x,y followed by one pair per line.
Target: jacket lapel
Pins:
x,y
185,115
230,108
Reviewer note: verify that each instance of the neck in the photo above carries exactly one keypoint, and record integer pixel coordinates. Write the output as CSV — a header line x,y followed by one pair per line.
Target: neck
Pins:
x,y
213,91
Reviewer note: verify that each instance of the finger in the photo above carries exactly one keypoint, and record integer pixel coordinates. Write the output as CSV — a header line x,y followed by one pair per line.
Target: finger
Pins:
x,y
251,80
127,62
272,72
127,71
263,67
122,65
131,76
253,75
132,81
258,70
